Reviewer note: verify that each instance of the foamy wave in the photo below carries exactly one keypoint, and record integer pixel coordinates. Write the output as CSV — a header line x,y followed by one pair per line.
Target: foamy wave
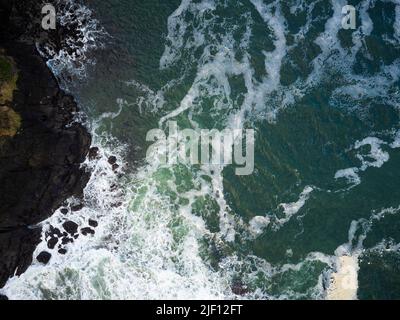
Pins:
x,y
82,34
375,157
290,209
143,247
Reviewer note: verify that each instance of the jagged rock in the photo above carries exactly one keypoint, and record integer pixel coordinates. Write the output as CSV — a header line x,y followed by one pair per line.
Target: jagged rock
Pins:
x,y
71,227
43,257
52,243
93,153
62,251
87,230
64,211
67,240
93,223
239,288
112,160
53,232
115,166
77,207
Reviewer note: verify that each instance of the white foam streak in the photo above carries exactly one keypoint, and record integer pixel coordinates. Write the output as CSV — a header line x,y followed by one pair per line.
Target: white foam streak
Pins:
x,y
376,157
328,42
75,57
396,24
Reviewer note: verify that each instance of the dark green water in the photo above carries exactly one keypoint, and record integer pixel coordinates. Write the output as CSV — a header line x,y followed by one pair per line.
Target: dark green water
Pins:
x,y
324,103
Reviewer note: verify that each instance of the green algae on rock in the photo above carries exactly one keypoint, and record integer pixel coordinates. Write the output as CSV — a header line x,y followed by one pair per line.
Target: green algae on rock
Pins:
x,y
10,121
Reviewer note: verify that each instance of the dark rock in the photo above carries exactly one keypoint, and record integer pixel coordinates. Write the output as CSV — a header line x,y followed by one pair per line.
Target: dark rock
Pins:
x,y
16,249
53,232
52,243
112,160
116,205
93,153
93,223
40,167
64,211
115,166
239,288
86,231
62,251
70,226
43,257
77,207
67,240
3,297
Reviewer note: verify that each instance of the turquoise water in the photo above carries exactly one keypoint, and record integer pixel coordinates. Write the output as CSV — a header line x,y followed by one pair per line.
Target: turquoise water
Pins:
x,y
324,103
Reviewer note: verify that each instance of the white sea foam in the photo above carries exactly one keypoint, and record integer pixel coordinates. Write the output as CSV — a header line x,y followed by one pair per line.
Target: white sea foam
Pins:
x,y
292,208
376,154
258,224
396,142
350,174
396,25
376,157
142,249
75,56
148,100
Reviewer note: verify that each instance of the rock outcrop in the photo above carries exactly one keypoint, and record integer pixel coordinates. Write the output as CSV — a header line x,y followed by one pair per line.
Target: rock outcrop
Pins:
x,y
41,157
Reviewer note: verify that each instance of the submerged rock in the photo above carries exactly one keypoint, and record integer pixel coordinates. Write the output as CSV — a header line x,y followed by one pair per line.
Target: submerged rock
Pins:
x,y
239,288
112,160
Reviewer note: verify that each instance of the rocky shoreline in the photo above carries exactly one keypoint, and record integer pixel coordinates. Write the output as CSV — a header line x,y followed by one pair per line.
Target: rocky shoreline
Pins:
x,y
41,160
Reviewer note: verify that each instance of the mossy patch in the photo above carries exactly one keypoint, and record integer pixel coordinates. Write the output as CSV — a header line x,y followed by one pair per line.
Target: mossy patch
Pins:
x,y
10,121
8,79
6,69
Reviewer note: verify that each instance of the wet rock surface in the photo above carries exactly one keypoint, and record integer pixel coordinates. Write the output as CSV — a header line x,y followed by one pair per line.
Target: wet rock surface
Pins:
x,y
86,231
93,223
71,227
43,257
3,297
40,167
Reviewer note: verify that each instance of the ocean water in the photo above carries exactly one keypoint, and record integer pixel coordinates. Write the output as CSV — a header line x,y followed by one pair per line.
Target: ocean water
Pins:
x,y
324,104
